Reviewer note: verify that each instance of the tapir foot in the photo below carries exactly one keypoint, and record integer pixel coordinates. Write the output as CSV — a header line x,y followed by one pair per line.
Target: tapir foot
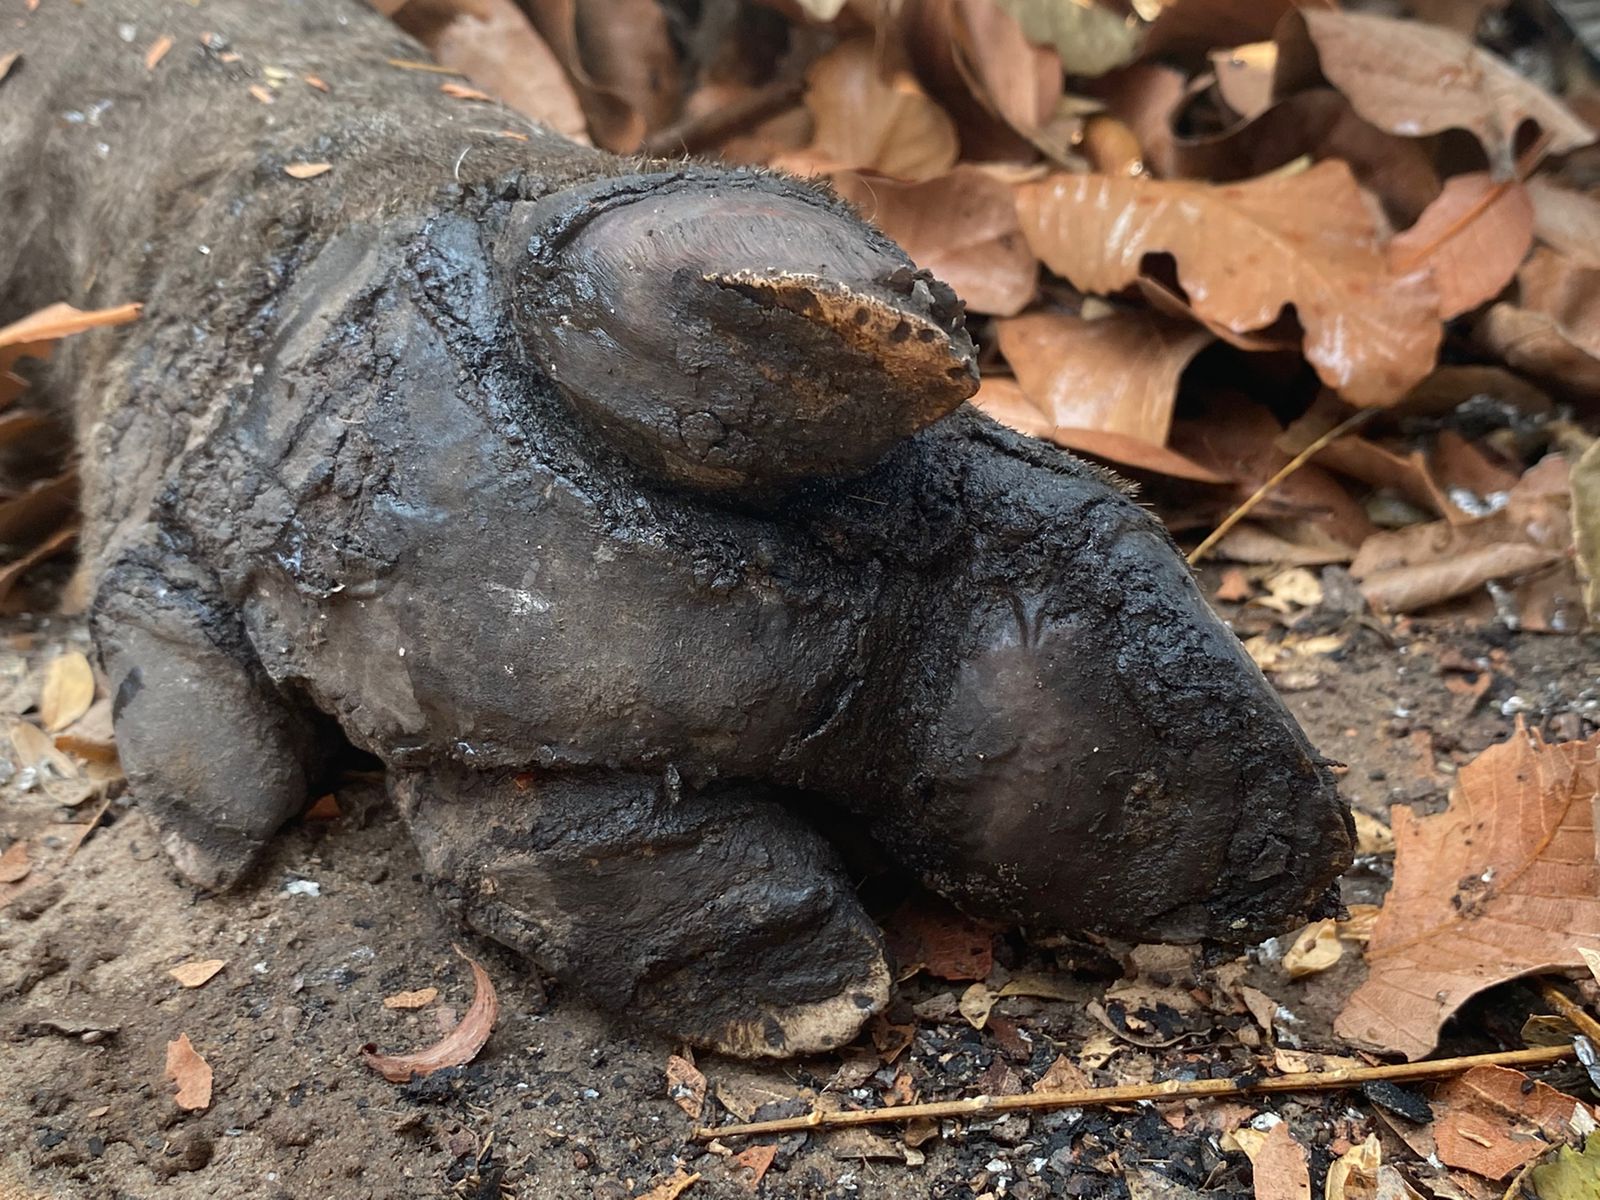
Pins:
x,y
714,917
214,754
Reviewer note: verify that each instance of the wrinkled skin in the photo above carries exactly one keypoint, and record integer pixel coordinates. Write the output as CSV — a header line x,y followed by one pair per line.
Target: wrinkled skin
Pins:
x,y
630,515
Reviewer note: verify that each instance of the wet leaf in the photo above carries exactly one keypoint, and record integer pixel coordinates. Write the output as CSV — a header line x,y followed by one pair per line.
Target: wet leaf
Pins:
x,y
1502,883
961,226
1415,80
1490,1120
1245,251
420,998
193,974
190,1072
1472,239
1090,39
868,122
460,1045
1118,373
68,691
686,1086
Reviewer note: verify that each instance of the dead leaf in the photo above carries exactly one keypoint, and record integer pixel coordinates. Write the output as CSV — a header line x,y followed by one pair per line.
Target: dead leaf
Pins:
x,y
307,170
261,94
31,336
934,936
1091,40
1416,80
1315,949
1354,1174
326,808
495,46
866,121
1244,77
1472,238
1502,883
34,748
9,60
420,998
671,1189
1534,343
1189,28
14,863
1372,835
1567,293
40,508
1585,483
976,1003
1490,1121
158,51
754,1163
961,226
686,1086
314,81
1245,251
457,91
1062,1075
190,1072
1278,1164
193,974
1118,373
619,57
68,691
1044,987
1566,221
460,1045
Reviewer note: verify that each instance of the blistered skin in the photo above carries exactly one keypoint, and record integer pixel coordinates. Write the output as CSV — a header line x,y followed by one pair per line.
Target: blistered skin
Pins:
x,y
629,513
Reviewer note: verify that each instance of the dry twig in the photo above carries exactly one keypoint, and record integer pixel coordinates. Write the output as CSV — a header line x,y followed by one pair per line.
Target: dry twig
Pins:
x,y
1172,1089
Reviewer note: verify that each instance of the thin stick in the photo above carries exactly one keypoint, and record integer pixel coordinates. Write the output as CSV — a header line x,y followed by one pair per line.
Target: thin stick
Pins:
x,y
1289,468
1575,1013
1172,1089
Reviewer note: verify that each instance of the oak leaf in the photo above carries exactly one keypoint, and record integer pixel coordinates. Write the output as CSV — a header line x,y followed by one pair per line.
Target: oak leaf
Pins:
x,y
1503,883
1243,253
961,226
1472,238
1415,80
1118,373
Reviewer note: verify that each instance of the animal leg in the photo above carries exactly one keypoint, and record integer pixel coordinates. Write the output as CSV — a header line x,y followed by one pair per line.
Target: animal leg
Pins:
x,y
214,753
716,917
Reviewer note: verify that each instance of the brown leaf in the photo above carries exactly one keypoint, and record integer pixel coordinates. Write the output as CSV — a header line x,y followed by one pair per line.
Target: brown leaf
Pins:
x,y
307,170
1119,373
420,998
1491,1120
495,45
1567,221
31,336
7,61
460,1045
193,974
1244,77
753,1164
619,57
39,509
868,122
1472,238
1406,569
262,95
1245,251
326,808
68,691
1585,483
35,749
1536,344
1278,1164
1354,1174
945,943
1063,1075
1567,293
961,226
976,1003
457,91
1189,28
14,863
672,1188
1415,80
190,1072
1019,81
1502,883
1315,948
686,1086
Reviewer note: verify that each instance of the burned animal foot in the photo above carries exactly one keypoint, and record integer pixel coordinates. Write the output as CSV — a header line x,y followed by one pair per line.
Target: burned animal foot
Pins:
x,y
213,753
714,917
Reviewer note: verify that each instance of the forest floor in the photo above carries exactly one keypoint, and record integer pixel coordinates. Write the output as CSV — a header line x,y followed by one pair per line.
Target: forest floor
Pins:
x,y
565,1102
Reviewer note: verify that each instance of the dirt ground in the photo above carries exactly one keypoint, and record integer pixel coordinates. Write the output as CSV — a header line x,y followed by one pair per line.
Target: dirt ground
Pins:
x,y
564,1102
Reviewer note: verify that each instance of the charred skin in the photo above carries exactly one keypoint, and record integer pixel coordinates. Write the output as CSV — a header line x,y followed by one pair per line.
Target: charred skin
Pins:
x,y
629,513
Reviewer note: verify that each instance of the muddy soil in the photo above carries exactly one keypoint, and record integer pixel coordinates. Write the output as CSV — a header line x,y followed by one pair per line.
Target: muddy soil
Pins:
x,y
564,1102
